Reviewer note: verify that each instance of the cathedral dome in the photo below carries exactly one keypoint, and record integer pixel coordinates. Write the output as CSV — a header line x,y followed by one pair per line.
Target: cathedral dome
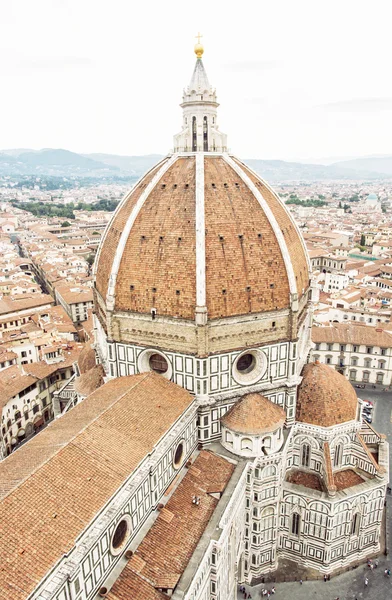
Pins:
x,y
325,397
201,230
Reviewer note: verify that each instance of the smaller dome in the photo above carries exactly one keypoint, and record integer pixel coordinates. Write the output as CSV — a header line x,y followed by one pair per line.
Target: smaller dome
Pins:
x,y
86,360
254,414
90,381
325,397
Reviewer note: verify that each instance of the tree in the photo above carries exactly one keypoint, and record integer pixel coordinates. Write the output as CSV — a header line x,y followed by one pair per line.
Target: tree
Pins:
x,y
66,224
363,240
90,259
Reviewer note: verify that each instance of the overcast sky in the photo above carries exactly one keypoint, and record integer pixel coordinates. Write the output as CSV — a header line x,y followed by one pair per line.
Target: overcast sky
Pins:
x,y
295,78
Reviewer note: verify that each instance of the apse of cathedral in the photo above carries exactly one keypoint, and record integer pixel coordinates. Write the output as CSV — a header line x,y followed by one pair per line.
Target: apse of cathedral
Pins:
x,y
213,452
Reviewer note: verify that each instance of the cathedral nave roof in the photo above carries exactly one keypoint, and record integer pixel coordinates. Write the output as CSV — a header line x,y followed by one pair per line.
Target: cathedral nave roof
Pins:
x,y
167,548
53,486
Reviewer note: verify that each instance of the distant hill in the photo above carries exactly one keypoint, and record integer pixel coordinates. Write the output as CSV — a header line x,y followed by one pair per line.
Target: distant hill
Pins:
x,y
376,164
135,165
280,170
63,163
52,158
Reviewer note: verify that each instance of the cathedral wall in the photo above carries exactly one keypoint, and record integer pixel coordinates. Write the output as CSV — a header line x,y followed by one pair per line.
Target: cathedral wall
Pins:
x,y
261,517
212,375
330,534
85,569
182,335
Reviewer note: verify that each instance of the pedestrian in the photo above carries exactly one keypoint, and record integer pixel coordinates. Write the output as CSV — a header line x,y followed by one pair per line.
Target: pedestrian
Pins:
x,y
273,590
366,581
385,572
389,572
268,594
376,563
372,567
301,582
325,578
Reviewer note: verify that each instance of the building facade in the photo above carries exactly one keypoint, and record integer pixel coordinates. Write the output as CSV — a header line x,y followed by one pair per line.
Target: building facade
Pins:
x,y
362,353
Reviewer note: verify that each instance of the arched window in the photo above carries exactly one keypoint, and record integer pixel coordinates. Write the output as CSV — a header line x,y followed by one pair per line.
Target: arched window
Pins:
x,y
305,455
253,559
355,524
194,135
338,455
295,523
205,134
246,444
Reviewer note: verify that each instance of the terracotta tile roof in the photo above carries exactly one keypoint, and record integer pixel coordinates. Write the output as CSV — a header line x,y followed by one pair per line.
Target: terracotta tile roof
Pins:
x,y
41,369
12,381
254,414
352,333
133,587
114,231
346,478
325,397
87,358
72,468
245,267
286,224
90,381
72,293
15,303
309,480
167,548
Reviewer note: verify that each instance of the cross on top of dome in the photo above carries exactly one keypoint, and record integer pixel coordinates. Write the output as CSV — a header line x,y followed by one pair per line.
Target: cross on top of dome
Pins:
x,y
199,50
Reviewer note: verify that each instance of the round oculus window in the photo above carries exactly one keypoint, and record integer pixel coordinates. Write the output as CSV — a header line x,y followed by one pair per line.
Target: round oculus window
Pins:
x,y
154,360
246,363
158,363
178,455
249,367
120,535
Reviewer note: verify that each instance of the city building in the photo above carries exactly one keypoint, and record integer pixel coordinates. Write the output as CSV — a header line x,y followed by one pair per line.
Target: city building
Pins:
x,y
361,353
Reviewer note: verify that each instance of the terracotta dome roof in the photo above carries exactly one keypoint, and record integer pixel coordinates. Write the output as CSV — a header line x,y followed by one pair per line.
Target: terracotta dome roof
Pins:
x,y
254,414
201,230
90,381
86,360
325,397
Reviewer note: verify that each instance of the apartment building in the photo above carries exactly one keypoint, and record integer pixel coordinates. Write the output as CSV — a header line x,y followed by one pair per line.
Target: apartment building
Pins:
x,y
360,352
